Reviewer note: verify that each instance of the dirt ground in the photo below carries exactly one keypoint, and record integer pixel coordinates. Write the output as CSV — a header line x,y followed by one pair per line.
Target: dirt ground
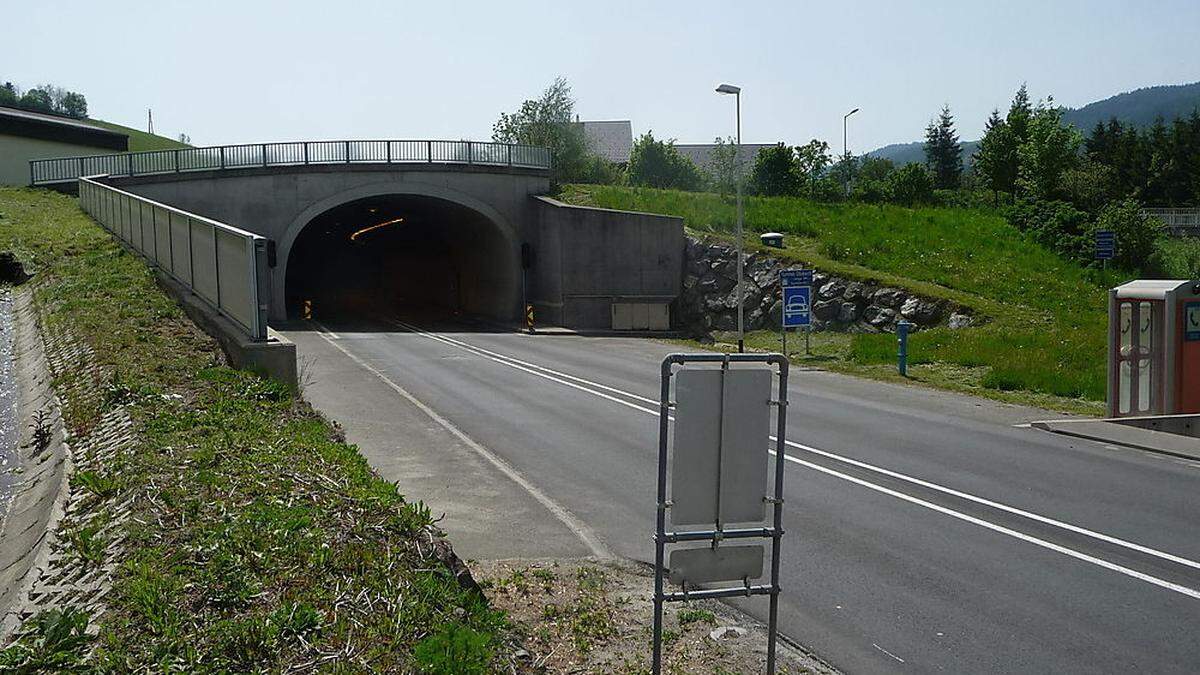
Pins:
x,y
593,616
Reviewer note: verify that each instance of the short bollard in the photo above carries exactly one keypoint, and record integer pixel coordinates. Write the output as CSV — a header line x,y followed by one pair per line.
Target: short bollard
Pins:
x,y
902,354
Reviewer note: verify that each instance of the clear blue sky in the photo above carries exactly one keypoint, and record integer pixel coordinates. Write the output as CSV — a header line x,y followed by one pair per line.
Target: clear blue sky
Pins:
x,y
251,71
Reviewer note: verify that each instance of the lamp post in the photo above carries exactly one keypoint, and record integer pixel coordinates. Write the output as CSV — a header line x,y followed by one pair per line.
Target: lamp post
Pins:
x,y
741,296
846,152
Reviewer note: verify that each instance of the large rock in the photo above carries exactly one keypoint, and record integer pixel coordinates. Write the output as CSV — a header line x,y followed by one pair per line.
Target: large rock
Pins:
x,y
958,320
826,309
855,291
888,297
920,310
879,316
848,312
715,284
834,289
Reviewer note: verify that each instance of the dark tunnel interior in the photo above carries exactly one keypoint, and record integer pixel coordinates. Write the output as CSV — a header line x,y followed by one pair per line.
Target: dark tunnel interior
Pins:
x,y
402,255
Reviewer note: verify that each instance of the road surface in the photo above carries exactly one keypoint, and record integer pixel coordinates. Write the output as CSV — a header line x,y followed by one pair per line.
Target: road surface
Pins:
x,y
925,531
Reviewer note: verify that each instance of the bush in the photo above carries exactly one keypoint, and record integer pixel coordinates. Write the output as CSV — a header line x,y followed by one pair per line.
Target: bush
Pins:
x,y
454,649
657,164
1056,225
910,185
775,172
870,191
1179,258
596,170
1137,234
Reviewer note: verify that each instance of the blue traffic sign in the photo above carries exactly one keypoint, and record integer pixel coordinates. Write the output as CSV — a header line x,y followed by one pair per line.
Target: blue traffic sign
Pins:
x,y
796,306
1106,244
795,277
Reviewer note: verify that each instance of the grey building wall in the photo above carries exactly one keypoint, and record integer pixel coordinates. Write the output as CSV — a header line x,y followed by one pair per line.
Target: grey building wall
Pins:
x,y
16,151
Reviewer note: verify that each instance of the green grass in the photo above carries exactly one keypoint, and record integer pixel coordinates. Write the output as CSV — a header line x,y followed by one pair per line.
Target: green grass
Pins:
x,y
1044,335
140,141
258,541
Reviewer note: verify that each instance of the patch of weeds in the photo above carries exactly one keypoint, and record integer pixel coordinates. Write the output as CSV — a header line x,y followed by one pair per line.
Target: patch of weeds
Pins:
x,y
56,641
42,434
591,579
690,616
454,649
100,485
87,543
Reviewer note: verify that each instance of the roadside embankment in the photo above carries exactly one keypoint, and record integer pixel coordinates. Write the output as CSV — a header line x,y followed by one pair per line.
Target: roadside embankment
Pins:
x,y
214,522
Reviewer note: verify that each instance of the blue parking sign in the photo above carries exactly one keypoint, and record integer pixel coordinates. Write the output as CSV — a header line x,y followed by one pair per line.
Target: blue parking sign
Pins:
x,y
796,306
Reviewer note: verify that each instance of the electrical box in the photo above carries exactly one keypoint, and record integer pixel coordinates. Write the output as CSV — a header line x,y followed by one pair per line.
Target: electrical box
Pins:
x,y
1154,348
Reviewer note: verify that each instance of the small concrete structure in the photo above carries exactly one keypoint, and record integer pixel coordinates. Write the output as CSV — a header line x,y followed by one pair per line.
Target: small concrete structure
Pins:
x,y
26,135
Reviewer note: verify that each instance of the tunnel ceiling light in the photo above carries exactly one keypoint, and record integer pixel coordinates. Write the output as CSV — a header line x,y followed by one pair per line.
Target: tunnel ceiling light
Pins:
x,y
359,233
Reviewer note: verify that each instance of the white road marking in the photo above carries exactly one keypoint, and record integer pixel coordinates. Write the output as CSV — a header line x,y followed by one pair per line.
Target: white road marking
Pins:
x,y
1162,583
1045,520
887,652
568,519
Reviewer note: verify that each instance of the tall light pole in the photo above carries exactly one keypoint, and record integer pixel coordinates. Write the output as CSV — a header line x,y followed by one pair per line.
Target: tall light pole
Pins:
x,y
741,296
846,151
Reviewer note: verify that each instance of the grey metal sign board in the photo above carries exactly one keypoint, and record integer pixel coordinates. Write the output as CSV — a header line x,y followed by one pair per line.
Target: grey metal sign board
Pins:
x,y
705,565
722,430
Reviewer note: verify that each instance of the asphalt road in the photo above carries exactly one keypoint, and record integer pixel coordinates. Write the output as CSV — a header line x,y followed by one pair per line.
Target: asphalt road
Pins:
x,y
925,531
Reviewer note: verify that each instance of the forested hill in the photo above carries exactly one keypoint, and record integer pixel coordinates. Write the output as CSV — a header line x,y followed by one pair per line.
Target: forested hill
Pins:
x,y
1139,107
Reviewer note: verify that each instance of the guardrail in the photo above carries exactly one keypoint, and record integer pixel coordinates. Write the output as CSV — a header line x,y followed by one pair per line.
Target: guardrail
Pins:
x,y
59,169
1181,222
224,266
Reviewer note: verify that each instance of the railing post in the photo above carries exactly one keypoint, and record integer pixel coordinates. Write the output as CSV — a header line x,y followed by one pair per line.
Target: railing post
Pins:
x,y
429,151
305,144
389,151
222,157
509,146
347,152
80,168
470,159
177,161
129,164
264,151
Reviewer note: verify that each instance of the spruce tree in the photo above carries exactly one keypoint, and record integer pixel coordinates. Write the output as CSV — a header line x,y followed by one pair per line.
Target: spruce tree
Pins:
x,y
995,160
943,154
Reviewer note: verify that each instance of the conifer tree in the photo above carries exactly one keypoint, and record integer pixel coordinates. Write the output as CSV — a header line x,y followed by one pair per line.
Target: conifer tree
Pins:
x,y
943,154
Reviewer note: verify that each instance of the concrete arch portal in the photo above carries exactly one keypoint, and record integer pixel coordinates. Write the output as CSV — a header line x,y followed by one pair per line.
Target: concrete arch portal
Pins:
x,y
406,252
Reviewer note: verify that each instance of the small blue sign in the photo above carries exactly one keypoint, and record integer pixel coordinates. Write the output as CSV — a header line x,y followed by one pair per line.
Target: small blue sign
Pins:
x,y
795,278
1191,321
796,306
1106,244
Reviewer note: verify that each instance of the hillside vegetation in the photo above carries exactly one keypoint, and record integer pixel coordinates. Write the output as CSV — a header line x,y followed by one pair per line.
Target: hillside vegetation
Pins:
x,y
1045,318
140,141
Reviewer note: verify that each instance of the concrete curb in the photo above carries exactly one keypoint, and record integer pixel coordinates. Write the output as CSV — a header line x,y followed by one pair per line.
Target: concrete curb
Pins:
x,y
38,505
1114,433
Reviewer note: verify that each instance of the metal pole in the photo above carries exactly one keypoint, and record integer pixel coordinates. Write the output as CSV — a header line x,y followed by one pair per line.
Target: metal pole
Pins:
x,y
740,253
807,337
780,431
902,351
664,410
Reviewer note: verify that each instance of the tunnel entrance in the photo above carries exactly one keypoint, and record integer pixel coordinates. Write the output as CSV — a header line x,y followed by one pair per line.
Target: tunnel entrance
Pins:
x,y
402,255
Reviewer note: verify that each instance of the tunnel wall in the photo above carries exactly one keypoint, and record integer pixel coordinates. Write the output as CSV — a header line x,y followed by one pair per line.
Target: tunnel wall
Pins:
x,y
590,258
277,202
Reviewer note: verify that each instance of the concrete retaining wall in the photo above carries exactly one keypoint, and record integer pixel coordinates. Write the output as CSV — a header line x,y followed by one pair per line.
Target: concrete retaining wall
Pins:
x,y
590,258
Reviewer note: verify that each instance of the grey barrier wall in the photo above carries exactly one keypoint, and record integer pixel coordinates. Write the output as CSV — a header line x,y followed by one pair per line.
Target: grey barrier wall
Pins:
x,y
182,160
224,266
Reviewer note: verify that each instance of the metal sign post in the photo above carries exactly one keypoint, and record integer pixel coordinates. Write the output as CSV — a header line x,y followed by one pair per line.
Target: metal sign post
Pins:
x,y
718,466
796,287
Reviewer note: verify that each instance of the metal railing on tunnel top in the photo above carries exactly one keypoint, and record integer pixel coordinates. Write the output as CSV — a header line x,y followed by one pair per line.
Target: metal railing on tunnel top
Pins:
x,y
224,266
300,153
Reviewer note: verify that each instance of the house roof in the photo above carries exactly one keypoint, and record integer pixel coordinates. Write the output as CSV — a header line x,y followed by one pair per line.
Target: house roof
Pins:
x,y
701,153
610,139
16,122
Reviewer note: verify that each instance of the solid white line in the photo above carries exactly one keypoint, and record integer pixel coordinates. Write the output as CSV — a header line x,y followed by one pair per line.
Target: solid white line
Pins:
x,y
568,519
1045,520
1192,593
505,360
887,652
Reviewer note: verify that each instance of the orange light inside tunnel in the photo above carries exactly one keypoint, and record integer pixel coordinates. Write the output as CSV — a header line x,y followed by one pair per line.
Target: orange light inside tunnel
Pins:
x,y
359,233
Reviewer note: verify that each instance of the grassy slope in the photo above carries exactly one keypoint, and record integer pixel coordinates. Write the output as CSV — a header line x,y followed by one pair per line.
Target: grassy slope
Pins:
x,y
140,140
258,540
1046,330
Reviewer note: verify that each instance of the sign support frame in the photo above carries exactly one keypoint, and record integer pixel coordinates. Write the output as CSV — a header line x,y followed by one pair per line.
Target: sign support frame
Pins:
x,y
774,532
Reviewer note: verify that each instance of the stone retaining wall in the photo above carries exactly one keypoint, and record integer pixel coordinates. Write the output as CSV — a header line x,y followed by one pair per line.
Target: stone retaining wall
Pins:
x,y
709,299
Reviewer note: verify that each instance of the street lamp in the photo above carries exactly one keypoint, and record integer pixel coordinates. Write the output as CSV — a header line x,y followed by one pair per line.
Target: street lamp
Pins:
x,y
737,93
846,151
